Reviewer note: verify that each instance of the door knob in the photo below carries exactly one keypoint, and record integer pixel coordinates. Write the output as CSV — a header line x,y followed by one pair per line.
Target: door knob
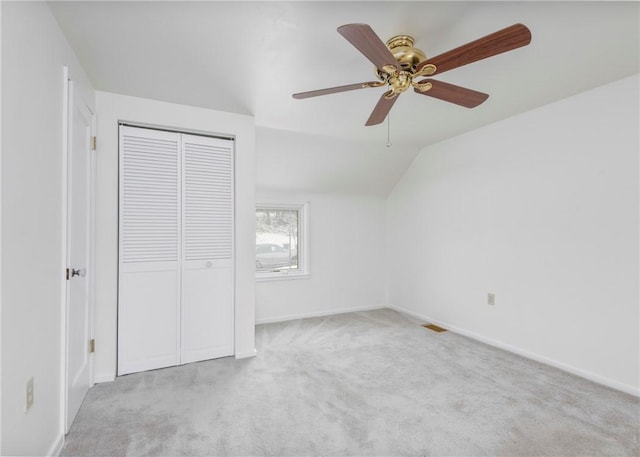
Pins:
x,y
82,272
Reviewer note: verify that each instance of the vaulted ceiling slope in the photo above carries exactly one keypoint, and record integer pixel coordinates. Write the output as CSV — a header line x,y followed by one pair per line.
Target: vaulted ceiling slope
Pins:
x,y
249,57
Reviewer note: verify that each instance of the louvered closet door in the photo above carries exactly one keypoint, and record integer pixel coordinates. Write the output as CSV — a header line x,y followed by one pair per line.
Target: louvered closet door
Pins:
x,y
176,249
207,257
149,266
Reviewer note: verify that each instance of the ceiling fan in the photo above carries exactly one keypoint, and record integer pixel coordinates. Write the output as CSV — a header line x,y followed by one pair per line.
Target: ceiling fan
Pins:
x,y
399,66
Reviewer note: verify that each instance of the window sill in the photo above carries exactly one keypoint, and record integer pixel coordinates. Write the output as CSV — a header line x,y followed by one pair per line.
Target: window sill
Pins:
x,y
265,277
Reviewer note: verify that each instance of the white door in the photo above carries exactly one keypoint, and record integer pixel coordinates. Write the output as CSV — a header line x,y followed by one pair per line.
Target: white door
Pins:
x,y
149,265
175,302
79,193
207,255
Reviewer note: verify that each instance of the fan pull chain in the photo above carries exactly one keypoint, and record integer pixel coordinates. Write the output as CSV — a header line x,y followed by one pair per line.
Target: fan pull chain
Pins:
x,y
388,130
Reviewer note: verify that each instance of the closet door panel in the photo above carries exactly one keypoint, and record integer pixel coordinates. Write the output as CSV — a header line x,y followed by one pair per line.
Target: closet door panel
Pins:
x,y
207,318
148,323
207,198
207,277
149,244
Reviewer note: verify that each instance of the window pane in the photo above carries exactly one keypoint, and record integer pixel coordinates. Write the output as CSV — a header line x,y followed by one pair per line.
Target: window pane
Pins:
x,y
277,239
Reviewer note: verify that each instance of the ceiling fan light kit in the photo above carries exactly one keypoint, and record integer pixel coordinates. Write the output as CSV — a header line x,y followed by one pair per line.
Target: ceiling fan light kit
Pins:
x,y
398,65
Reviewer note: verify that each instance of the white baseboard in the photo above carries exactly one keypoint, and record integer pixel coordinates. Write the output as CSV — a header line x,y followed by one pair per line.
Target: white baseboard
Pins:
x,y
247,354
98,379
56,448
328,312
529,355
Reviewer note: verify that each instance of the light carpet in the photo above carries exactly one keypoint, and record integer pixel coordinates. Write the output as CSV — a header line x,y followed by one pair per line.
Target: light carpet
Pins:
x,y
368,383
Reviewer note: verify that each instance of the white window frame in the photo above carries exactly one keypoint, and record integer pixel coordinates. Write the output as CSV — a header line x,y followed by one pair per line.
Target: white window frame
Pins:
x,y
303,271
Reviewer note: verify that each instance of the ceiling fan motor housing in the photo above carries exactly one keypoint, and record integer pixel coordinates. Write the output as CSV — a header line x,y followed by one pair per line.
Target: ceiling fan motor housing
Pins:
x,y
401,46
408,57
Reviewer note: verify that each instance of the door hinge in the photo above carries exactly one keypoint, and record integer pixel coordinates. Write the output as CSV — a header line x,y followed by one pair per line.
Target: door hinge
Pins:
x,y
92,345
68,274
94,143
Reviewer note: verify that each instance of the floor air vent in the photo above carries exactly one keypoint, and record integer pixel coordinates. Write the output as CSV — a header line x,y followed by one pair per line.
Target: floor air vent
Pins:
x,y
435,328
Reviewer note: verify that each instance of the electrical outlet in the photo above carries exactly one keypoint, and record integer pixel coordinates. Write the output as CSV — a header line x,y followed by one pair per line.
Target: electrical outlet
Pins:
x,y
29,402
491,299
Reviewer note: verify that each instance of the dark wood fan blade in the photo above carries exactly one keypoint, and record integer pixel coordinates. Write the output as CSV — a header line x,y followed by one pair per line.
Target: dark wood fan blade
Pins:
x,y
381,110
335,90
365,40
493,44
453,94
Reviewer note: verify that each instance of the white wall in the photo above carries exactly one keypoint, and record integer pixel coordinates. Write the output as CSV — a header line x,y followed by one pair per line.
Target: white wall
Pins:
x,y
299,162
542,210
0,233
347,259
34,52
113,108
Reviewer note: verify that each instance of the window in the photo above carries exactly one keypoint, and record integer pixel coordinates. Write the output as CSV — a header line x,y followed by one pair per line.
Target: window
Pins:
x,y
281,250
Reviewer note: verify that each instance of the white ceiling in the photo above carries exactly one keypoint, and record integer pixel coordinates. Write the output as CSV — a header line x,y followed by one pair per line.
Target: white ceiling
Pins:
x,y
249,57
